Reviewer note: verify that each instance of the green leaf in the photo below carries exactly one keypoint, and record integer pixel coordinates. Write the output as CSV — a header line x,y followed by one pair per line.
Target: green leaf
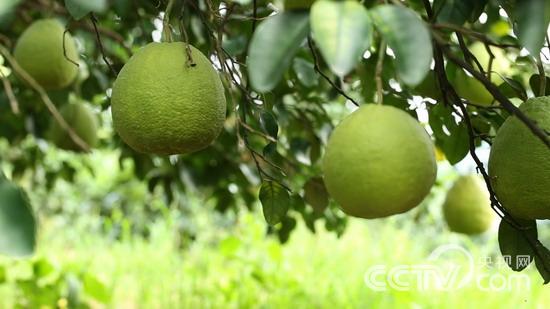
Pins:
x,y
457,145
42,267
269,124
288,224
454,141
305,71
6,6
531,21
2,274
81,8
315,194
275,201
453,11
17,222
534,83
542,262
514,246
96,289
273,46
409,39
458,11
511,88
343,32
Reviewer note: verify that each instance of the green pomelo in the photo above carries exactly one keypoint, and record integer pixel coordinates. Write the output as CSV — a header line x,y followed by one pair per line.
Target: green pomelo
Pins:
x,y
379,162
519,164
469,88
500,65
467,207
298,4
39,51
163,105
82,120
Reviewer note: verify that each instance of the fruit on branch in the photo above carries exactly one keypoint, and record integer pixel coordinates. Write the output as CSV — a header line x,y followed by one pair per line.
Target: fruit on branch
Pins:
x,y
379,162
83,121
501,63
165,103
297,4
469,88
519,164
39,51
467,207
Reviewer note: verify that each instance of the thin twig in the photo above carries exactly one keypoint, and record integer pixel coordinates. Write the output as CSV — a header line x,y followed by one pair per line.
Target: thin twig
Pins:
x,y
65,50
45,98
542,76
166,21
318,69
100,44
378,74
502,99
254,131
9,92
183,31
471,33
254,15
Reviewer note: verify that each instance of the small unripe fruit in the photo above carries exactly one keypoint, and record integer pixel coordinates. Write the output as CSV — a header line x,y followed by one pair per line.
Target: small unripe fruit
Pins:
x,y
39,51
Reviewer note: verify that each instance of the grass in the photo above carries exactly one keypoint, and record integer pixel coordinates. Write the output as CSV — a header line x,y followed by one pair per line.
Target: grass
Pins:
x,y
240,268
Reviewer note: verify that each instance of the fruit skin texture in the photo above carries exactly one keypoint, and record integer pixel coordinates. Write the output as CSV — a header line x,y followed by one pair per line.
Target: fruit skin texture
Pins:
x,y
162,105
519,163
39,51
298,4
467,207
82,120
379,162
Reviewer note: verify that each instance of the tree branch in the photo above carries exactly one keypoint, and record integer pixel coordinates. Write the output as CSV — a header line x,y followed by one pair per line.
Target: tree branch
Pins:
x,y
9,92
503,100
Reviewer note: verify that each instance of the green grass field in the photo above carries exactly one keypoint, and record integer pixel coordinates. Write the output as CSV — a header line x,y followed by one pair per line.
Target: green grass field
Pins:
x,y
240,268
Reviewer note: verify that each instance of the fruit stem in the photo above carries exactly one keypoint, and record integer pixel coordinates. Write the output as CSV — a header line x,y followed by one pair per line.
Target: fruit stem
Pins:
x,y
166,22
378,76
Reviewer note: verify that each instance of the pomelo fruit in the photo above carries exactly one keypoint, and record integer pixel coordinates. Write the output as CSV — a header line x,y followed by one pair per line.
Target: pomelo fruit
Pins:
x,y
501,64
467,207
379,161
469,88
39,51
519,163
82,120
163,105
